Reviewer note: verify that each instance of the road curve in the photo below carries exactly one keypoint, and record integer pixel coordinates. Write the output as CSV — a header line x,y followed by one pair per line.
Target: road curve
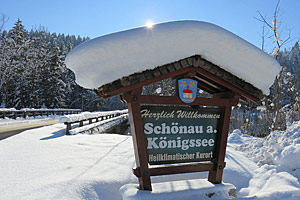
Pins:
x,y
10,130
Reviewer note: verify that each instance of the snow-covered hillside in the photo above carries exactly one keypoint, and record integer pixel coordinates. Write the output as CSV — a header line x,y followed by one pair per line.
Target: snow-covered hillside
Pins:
x,y
45,164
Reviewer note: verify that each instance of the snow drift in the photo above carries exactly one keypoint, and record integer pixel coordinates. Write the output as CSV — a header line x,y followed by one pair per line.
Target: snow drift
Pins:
x,y
109,57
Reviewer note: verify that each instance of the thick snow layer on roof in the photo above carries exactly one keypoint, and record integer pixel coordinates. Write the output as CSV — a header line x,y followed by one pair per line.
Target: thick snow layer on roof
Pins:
x,y
110,57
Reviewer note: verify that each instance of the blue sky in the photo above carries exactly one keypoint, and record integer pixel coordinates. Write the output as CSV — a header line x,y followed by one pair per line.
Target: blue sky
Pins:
x,y
94,18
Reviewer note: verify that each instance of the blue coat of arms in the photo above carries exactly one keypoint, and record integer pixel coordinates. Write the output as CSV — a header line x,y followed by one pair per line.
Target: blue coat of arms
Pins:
x,y
187,90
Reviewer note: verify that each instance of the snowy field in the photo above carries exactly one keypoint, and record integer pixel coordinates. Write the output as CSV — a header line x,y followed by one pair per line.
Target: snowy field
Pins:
x,y
43,163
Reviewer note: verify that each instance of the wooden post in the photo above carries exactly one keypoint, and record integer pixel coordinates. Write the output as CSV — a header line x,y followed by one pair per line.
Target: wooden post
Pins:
x,y
68,128
80,123
216,175
138,137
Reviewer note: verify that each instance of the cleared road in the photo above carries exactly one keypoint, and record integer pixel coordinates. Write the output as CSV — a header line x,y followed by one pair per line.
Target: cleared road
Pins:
x,y
7,131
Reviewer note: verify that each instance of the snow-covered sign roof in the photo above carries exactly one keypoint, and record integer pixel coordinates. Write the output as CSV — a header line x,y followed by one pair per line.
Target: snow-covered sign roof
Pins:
x,y
110,57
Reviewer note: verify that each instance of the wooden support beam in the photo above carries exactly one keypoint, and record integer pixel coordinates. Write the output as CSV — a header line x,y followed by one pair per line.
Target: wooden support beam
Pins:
x,y
215,176
226,84
139,143
208,83
178,169
207,88
153,99
146,82
202,75
234,98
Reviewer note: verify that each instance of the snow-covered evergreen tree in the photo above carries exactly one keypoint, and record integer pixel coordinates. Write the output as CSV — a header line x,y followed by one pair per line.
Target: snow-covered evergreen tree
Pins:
x,y
33,73
5,69
18,87
52,84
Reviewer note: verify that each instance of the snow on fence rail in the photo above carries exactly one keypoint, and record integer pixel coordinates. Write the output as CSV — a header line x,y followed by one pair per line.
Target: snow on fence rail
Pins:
x,y
101,126
32,112
108,118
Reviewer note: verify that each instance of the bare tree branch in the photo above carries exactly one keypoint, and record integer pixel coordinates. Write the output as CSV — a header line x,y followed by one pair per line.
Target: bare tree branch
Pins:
x,y
263,19
3,20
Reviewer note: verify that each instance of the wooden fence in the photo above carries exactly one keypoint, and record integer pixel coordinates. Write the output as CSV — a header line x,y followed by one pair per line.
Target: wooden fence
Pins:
x,y
24,113
92,120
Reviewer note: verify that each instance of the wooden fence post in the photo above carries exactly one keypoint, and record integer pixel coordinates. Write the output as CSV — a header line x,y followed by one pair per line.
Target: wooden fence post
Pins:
x,y
69,127
80,123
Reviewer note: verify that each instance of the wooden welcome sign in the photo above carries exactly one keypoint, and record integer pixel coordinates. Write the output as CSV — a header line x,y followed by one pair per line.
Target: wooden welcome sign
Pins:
x,y
180,134
185,130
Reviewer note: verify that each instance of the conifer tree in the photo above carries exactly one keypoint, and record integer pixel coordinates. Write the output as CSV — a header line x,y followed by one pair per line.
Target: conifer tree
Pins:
x,y
19,89
53,85
33,73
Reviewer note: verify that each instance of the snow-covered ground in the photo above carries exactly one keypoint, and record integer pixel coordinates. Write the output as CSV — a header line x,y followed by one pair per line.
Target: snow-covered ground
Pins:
x,y
43,163
280,150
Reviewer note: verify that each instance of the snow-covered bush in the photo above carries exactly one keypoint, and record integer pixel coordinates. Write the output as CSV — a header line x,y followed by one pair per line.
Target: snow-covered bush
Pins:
x,y
280,148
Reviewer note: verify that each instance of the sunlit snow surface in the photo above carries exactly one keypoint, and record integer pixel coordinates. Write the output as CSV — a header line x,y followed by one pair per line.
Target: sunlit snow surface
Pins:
x,y
43,163
109,57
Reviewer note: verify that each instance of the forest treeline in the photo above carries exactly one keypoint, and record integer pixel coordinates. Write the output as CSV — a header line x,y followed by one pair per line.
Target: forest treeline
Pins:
x,y
33,73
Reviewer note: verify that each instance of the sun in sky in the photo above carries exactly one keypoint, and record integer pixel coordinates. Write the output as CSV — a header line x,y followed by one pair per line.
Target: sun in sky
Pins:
x,y
149,24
